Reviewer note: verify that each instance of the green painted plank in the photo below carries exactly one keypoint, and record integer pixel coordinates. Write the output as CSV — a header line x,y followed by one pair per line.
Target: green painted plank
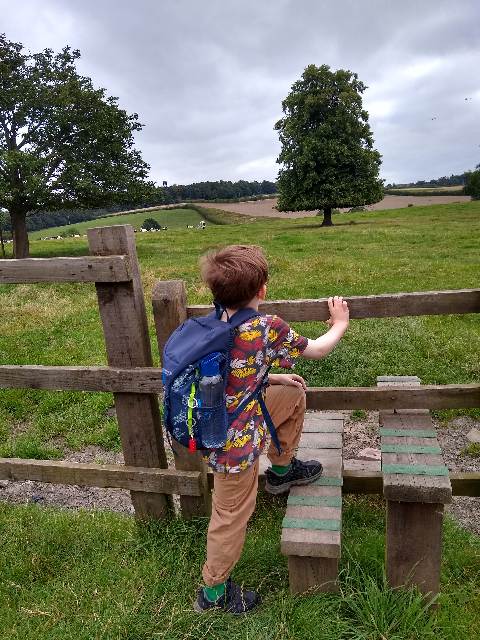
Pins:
x,y
327,482
314,501
415,469
408,433
408,448
311,523
320,445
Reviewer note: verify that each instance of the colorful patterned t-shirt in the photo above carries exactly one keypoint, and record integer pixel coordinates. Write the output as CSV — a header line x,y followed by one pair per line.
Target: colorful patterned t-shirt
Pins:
x,y
258,344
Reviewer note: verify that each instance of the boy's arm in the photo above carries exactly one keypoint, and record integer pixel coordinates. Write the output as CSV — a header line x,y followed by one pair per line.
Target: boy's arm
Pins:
x,y
338,321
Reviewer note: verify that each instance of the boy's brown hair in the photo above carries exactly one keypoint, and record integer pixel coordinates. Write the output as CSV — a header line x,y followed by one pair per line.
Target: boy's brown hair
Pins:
x,y
235,274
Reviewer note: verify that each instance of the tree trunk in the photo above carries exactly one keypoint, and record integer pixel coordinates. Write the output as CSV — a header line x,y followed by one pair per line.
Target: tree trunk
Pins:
x,y
1,243
327,217
20,234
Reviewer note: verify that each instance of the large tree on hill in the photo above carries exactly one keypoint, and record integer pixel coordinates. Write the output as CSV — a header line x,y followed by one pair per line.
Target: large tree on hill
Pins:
x,y
327,146
472,188
63,144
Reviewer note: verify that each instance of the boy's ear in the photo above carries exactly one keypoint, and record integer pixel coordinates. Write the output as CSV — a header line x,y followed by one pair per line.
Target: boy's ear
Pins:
x,y
263,292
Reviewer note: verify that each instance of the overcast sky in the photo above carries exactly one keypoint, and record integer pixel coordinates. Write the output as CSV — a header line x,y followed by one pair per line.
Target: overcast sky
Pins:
x,y
207,77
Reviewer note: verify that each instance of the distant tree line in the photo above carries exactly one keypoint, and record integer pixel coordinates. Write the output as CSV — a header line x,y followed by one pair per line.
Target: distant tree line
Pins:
x,y
452,181
220,190
43,220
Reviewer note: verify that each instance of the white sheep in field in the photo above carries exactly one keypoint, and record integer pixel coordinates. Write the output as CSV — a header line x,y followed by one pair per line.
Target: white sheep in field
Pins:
x,y
201,224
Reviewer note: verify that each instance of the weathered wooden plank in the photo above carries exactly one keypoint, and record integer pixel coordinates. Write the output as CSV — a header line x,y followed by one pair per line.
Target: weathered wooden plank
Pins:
x,y
416,486
378,398
305,571
84,269
363,480
169,302
465,484
317,543
328,419
409,448
142,479
312,523
406,433
127,342
148,380
378,306
415,469
139,380
319,427
321,439
414,545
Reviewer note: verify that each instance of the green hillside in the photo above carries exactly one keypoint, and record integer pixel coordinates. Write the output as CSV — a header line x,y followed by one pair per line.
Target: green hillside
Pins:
x,y
171,218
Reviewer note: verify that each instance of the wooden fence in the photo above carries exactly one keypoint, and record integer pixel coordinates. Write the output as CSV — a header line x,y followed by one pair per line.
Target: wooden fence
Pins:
x,y
135,383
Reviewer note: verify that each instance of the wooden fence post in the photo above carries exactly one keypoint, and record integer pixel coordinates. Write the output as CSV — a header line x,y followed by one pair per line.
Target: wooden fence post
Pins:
x,y
125,328
169,301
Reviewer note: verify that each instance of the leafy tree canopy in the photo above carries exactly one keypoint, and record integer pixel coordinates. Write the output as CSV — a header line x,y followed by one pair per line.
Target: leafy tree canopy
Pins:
x,y
327,146
63,144
472,188
150,223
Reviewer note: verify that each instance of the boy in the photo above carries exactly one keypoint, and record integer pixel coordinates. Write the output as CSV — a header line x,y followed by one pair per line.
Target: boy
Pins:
x,y
237,277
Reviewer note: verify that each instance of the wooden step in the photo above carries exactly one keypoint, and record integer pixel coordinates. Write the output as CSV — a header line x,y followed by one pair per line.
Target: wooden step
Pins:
x,y
311,529
416,485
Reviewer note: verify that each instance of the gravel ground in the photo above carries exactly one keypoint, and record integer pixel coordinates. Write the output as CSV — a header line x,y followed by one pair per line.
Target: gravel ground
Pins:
x,y
359,434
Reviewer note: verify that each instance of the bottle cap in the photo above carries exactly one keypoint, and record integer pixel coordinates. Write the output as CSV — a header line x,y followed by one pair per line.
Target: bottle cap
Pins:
x,y
209,365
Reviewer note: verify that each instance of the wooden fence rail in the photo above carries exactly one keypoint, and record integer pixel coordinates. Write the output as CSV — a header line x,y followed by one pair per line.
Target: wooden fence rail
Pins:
x,y
187,484
42,270
389,305
148,380
143,479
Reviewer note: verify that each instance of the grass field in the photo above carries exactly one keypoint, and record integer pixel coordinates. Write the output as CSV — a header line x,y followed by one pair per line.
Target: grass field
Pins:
x,y
171,218
436,247
81,575
84,576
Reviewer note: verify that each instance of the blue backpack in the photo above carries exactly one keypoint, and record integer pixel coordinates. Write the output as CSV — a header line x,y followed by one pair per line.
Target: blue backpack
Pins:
x,y
192,341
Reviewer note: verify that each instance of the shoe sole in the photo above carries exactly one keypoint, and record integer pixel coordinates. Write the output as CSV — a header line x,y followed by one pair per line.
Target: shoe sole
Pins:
x,y
283,488
198,609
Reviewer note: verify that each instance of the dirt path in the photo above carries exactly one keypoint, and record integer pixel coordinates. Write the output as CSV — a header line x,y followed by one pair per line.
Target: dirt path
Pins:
x,y
266,208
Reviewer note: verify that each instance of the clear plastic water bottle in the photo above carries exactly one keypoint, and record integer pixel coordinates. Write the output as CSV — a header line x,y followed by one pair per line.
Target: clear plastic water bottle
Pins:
x,y
210,395
210,389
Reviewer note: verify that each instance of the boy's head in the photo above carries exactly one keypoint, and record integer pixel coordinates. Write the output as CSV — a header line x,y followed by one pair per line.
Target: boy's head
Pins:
x,y
235,274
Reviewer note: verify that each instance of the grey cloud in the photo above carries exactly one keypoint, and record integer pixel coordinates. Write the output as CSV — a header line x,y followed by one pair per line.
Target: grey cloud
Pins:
x,y
207,77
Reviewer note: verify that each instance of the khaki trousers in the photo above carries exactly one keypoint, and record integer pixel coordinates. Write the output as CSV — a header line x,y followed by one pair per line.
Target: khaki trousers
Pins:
x,y
234,494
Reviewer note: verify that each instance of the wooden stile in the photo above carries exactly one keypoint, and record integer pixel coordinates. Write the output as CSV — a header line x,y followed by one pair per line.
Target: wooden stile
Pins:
x,y
416,487
169,301
125,328
311,529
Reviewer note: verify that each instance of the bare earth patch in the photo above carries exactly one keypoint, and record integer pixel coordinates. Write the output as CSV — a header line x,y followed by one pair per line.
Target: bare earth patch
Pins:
x,y
266,208
358,435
